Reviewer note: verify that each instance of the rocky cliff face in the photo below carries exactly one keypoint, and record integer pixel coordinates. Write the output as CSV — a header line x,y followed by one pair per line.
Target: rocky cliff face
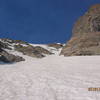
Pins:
x,y
86,34
89,22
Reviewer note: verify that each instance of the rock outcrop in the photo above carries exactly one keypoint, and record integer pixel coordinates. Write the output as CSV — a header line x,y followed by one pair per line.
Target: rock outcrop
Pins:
x,y
10,58
7,57
9,47
90,22
86,34
32,51
22,47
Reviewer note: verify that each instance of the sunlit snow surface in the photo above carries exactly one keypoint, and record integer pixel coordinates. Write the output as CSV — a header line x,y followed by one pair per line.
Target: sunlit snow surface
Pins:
x,y
51,78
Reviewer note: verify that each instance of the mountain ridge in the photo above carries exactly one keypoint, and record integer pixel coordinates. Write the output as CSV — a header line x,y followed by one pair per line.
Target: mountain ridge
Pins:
x,y
9,46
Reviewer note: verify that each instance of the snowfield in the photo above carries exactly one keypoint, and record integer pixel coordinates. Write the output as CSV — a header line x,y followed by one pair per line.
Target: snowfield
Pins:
x,y
51,78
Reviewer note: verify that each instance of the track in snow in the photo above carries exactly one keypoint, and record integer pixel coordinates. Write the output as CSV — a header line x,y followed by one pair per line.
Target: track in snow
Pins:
x,y
51,78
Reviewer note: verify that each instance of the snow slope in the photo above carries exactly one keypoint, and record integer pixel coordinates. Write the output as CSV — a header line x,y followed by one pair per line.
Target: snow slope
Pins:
x,y
51,78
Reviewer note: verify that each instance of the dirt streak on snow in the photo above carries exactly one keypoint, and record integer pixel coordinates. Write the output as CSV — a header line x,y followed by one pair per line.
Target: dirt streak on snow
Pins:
x,y
51,78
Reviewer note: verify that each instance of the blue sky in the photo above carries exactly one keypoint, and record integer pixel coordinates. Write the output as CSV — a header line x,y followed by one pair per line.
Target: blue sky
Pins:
x,y
40,21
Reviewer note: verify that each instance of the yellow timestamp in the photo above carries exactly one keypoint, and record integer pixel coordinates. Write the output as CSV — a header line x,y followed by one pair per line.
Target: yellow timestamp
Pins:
x,y
94,89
